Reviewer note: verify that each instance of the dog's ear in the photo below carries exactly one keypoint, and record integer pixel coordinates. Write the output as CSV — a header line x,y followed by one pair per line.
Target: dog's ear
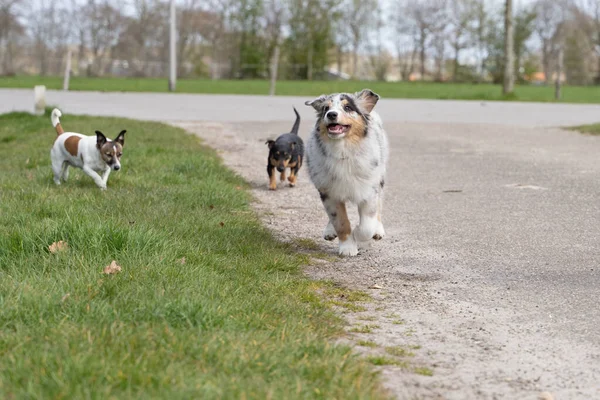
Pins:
x,y
100,139
270,143
317,103
121,138
367,99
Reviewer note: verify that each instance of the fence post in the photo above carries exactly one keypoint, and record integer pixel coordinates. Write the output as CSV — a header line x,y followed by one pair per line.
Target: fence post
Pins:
x,y
39,99
274,67
67,71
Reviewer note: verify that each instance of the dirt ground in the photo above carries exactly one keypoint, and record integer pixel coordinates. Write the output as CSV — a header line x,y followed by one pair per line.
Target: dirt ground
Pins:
x,y
467,339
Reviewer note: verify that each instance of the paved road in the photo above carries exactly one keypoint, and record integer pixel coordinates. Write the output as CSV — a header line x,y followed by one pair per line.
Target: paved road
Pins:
x,y
227,108
493,249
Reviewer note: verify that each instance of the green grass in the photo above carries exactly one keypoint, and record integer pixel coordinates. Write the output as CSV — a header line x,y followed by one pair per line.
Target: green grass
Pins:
x,y
235,320
383,360
408,90
593,129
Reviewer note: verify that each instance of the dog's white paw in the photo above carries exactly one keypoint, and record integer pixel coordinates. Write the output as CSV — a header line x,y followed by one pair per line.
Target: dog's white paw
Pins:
x,y
379,232
102,187
329,232
348,248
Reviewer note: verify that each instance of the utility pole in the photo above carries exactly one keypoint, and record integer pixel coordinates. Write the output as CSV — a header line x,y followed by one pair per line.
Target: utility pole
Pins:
x,y
509,57
172,54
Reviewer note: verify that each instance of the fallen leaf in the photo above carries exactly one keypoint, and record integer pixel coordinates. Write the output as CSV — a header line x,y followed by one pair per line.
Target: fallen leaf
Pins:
x,y
238,188
211,206
222,223
375,286
58,246
27,161
181,260
113,268
65,297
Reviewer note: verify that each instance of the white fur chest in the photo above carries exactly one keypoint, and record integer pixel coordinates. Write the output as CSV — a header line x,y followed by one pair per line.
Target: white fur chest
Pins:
x,y
348,172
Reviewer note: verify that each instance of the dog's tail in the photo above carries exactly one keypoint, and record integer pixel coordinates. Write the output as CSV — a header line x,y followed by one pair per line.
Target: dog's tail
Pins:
x,y
56,122
296,123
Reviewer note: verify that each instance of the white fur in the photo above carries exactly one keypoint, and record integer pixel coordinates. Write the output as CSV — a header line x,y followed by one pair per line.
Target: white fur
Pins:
x,y
350,172
54,117
88,157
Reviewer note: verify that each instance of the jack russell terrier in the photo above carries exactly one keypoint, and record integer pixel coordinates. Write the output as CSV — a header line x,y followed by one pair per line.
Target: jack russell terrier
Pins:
x,y
93,154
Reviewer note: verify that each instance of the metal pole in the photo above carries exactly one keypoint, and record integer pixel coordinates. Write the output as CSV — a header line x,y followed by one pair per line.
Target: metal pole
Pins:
x,y
172,43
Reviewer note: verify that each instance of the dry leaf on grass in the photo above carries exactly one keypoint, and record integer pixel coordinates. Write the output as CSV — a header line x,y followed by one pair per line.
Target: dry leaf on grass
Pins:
x,y
222,223
65,297
58,246
113,268
181,260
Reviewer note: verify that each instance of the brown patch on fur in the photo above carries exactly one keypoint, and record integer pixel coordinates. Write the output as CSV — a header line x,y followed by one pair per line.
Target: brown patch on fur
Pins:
x,y
59,129
273,181
273,162
291,165
72,144
108,151
342,223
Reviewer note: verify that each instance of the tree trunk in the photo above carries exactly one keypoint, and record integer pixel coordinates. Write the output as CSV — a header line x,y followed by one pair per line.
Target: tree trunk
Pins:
x,y
309,61
546,62
559,71
354,59
422,54
509,57
456,64
339,60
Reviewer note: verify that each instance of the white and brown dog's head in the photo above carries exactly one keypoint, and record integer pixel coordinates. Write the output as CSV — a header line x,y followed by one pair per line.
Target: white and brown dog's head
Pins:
x,y
344,115
111,151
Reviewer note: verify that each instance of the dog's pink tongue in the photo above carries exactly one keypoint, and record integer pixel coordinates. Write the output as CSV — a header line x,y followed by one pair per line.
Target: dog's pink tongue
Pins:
x,y
336,129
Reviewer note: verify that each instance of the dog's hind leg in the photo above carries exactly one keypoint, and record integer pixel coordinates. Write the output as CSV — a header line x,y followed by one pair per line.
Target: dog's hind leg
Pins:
x,y
64,175
379,231
57,169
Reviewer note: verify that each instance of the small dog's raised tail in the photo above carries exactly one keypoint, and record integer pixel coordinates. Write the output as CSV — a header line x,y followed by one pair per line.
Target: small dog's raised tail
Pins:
x,y
54,117
296,123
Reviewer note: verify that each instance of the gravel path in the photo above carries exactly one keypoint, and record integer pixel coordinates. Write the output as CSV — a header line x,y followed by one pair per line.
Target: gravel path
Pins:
x,y
489,273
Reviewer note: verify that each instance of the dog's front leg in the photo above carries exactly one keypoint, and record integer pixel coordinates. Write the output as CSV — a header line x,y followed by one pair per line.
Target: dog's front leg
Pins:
x,y
105,176
338,217
94,175
272,177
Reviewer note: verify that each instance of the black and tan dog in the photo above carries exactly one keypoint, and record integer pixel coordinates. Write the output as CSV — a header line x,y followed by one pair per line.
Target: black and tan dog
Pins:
x,y
285,152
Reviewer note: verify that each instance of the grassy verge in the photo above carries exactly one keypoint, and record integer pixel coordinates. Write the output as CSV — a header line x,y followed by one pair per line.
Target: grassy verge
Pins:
x,y
408,90
593,129
207,304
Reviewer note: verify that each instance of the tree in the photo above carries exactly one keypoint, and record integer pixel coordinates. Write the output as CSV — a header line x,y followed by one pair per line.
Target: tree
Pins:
x,y
509,59
10,30
548,19
524,27
357,15
462,15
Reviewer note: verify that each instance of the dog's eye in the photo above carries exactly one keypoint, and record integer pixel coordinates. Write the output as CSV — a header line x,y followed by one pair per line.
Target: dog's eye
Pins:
x,y
326,108
120,154
347,108
108,154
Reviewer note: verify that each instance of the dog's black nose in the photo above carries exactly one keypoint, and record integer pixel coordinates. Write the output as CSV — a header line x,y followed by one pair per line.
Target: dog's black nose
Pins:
x,y
332,115
280,169
117,168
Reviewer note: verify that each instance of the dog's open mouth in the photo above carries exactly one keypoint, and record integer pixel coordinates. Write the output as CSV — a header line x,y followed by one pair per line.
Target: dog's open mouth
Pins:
x,y
337,129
